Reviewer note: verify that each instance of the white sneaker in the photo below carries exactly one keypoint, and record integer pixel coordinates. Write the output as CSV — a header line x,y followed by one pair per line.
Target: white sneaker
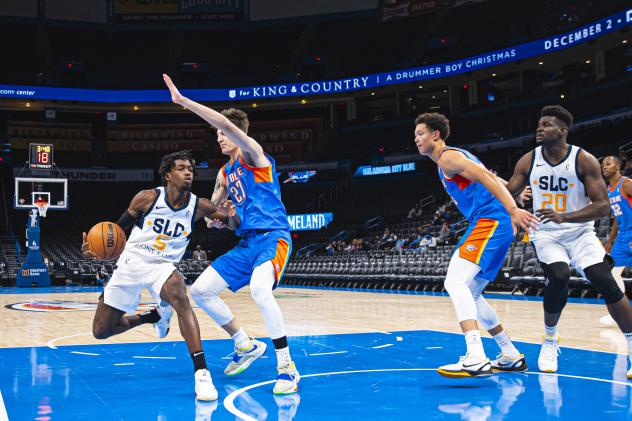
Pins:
x,y
505,363
244,357
468,366
287,380
161,327
204,389
608,321
547,361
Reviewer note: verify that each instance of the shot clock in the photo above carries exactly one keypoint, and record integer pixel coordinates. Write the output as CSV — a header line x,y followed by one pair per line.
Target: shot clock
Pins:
x,y
41,156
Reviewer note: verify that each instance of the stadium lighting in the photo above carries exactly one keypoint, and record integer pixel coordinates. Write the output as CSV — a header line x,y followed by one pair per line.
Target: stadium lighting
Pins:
x,y
135,108
28,105
540,63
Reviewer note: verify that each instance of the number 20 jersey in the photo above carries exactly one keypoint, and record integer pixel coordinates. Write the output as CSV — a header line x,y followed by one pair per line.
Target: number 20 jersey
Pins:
x,y
162,233
257,196
558,187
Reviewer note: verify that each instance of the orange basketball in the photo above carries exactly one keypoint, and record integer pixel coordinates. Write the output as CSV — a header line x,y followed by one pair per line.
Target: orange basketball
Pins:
x,y
106,240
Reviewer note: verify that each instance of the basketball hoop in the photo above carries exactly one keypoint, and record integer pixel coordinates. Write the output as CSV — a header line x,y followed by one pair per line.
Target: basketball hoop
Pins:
x,y
42,207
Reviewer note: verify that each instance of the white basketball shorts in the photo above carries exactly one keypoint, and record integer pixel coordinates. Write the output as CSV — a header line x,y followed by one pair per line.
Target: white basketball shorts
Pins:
x,y
128,280
577,247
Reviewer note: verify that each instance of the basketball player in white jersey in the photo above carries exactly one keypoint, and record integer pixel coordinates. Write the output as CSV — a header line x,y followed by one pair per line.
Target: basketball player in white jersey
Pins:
x,y
163,220
568,195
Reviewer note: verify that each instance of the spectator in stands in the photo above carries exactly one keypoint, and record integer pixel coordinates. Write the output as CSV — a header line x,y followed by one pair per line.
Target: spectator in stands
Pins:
x,y
400,243
102,276
415,212
387,242
199,254
331,248
626,167
445,233
49,265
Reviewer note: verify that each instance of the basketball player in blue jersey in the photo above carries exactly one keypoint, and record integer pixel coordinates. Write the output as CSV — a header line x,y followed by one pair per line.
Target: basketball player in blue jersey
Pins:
x,y
619,243
261,256
568,195
492,214
163,220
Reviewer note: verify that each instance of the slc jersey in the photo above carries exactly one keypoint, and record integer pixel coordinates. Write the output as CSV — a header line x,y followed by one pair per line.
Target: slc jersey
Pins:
x,y
257,196
621,205
162,233
558,187
471,197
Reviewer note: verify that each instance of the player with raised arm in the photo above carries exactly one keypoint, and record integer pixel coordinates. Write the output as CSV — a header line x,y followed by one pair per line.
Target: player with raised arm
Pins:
x,y
261,256
163,220
568,195
492,214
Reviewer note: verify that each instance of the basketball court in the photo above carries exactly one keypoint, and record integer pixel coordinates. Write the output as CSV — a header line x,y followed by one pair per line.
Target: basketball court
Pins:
x,y
361,354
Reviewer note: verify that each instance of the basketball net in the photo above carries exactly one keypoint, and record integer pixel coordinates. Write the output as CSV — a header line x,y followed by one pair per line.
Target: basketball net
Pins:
x,y
42,207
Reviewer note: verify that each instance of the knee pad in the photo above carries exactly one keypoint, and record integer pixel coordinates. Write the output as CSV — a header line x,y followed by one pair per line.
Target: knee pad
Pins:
x,y
556,291
602,280
486,314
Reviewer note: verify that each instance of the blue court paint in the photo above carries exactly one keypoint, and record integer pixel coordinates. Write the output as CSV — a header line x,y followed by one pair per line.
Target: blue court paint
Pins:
x,y
368,381
491,296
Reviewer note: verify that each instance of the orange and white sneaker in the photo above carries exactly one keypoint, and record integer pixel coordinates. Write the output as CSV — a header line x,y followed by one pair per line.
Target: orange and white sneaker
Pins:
x,y
287,380
547,361
204,388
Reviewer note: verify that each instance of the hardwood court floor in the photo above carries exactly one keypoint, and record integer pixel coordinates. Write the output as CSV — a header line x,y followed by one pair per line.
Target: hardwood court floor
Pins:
x,y
306,312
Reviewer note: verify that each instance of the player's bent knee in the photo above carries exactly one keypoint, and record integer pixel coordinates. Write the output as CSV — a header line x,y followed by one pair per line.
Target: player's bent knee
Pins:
x,y
602,280
261,294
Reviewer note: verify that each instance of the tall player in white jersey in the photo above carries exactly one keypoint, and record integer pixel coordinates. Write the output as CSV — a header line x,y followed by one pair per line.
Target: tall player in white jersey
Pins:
x,y
568,195
163,220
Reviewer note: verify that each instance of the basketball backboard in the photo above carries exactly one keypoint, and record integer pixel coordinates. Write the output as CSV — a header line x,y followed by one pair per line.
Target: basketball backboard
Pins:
x,y
29,190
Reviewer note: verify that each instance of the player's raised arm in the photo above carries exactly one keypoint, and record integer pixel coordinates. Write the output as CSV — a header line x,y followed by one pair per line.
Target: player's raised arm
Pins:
x,y
225,213
453,163
139,204
589,172
234,133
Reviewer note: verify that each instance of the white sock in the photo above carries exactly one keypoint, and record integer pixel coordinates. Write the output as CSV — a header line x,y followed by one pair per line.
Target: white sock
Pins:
x,y
628,337
550,332
506,346
241,338
474,343
283,357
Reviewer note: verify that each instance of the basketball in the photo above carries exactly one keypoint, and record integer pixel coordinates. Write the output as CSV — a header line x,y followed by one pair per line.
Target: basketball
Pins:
x,y
106,240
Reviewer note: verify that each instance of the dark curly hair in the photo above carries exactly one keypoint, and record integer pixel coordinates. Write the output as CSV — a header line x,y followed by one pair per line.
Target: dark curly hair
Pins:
x,y
169,161
435,121
558,112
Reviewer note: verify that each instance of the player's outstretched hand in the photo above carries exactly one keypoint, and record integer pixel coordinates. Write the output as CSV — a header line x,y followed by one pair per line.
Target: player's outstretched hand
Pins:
x,y
214,223
525,195
85,248
176,96
524,219
549,215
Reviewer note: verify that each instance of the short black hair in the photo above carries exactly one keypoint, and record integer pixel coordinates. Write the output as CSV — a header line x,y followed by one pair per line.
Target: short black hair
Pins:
x,y
169,161
238,117
559,112
435,121
616,160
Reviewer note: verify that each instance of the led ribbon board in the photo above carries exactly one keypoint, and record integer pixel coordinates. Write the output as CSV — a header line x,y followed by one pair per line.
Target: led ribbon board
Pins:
x,y
539,47
310,221
368,170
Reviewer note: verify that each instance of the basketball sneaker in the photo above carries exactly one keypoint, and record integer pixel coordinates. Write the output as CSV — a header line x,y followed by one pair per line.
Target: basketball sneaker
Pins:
x,y
243,357
468,366
547,361
505,363
287,380
162,326
204,389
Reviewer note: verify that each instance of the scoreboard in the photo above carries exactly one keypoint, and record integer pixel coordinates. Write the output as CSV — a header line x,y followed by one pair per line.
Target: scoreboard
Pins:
x,y
41,156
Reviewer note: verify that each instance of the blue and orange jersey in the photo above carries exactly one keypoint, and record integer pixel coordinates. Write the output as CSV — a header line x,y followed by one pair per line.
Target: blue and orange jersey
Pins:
x,y
621,205
471,197
257,196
